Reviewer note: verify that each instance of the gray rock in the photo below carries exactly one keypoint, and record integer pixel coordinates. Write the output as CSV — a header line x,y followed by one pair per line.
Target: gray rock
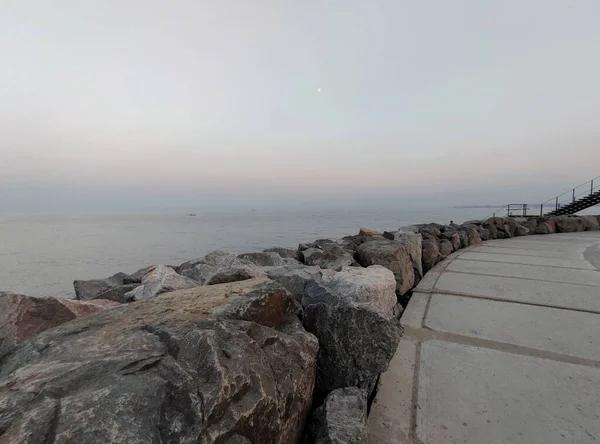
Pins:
x,y
294,278
569,224
165,370
328,255
414,243
87,290
118,294
521,230
350,312
464,238
398,310
530,223
431,253
396,256
473,237
286,253
199,272
431,230
162,279
591,223
373,287
136,278
342,419
219,268
446,248
484,233
491,227
265,259
454,239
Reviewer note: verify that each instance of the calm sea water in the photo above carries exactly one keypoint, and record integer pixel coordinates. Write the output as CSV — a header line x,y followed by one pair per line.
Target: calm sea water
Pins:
x,y
42,255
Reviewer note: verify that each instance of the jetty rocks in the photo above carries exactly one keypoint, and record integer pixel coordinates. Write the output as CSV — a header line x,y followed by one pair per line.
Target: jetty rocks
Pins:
x,y
279,346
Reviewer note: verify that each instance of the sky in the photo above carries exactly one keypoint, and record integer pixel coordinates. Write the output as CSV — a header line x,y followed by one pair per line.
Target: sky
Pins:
x,y
138,104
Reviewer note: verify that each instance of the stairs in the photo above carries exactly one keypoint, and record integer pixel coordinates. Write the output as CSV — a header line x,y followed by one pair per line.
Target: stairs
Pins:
x,y
578,205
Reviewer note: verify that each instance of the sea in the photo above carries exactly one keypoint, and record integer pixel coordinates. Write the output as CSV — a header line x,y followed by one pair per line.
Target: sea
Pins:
x,y
41,255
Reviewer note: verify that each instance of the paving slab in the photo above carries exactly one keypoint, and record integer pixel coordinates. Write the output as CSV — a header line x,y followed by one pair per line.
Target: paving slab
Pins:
x,y
572,333
550,274
555,294
473,395
478,255
520,251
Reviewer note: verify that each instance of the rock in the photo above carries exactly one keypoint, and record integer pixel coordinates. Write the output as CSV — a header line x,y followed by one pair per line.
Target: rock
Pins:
x,y
484,233
295,278
219,268
349,313
267,259
530,223
511,223
414,243
546,226
286,253
374,287
431,230
342,419
86,308
491,227
464,238
87,290
431,254
162,279
136,278
446,248
118,294
213,258
520,230
396,256
328,255
367,232
166,370
569,224
398,310
22,317
473,237
591,223
454,239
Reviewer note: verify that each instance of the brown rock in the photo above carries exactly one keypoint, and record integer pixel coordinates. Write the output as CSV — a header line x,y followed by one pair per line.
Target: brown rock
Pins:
x,y
445,248
368,232
22,317
431,254
591,223
569,224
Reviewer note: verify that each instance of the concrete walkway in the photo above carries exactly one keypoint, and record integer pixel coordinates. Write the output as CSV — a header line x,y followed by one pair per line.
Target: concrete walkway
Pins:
x,y
501,345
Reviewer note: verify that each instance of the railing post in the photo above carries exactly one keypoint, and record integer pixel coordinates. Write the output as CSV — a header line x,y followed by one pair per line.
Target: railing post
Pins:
x,y
592,187
556,203
541,209
524,210
573,194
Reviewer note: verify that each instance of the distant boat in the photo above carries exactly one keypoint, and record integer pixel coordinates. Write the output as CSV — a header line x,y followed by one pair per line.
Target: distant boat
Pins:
x,y
192,214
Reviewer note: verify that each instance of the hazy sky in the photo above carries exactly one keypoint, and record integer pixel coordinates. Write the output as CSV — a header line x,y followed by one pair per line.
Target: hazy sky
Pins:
x,y
127,103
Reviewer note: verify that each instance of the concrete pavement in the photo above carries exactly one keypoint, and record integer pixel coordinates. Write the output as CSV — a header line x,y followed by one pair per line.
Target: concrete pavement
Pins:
x,y
501,345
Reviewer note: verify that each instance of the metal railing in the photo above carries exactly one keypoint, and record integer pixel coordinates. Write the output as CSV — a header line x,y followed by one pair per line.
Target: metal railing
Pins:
x,y
571,196
568,197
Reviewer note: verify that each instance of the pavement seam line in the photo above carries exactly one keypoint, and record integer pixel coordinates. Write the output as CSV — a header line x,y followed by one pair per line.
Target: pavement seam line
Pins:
x,y
426,334
524,278
510,301
529,265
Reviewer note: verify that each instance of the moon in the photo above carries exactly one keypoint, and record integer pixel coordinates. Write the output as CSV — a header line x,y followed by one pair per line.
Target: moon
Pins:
x,y
319,90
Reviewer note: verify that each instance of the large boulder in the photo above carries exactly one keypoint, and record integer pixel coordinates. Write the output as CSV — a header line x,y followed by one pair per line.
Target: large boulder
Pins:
x,y
530,223
286,253
473,237
454,239
431,230
352,315
220,268
87,290
431,254
546,226
395,255
265,259
369,233
176,368
569,224
521,230
22,317
121,294
491,227
342,419
484,233
294,278
328,255
414,243
591,223
464,238
162,279
445,248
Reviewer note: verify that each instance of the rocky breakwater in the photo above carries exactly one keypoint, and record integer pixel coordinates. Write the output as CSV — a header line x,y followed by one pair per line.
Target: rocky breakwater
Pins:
x,y
280,346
